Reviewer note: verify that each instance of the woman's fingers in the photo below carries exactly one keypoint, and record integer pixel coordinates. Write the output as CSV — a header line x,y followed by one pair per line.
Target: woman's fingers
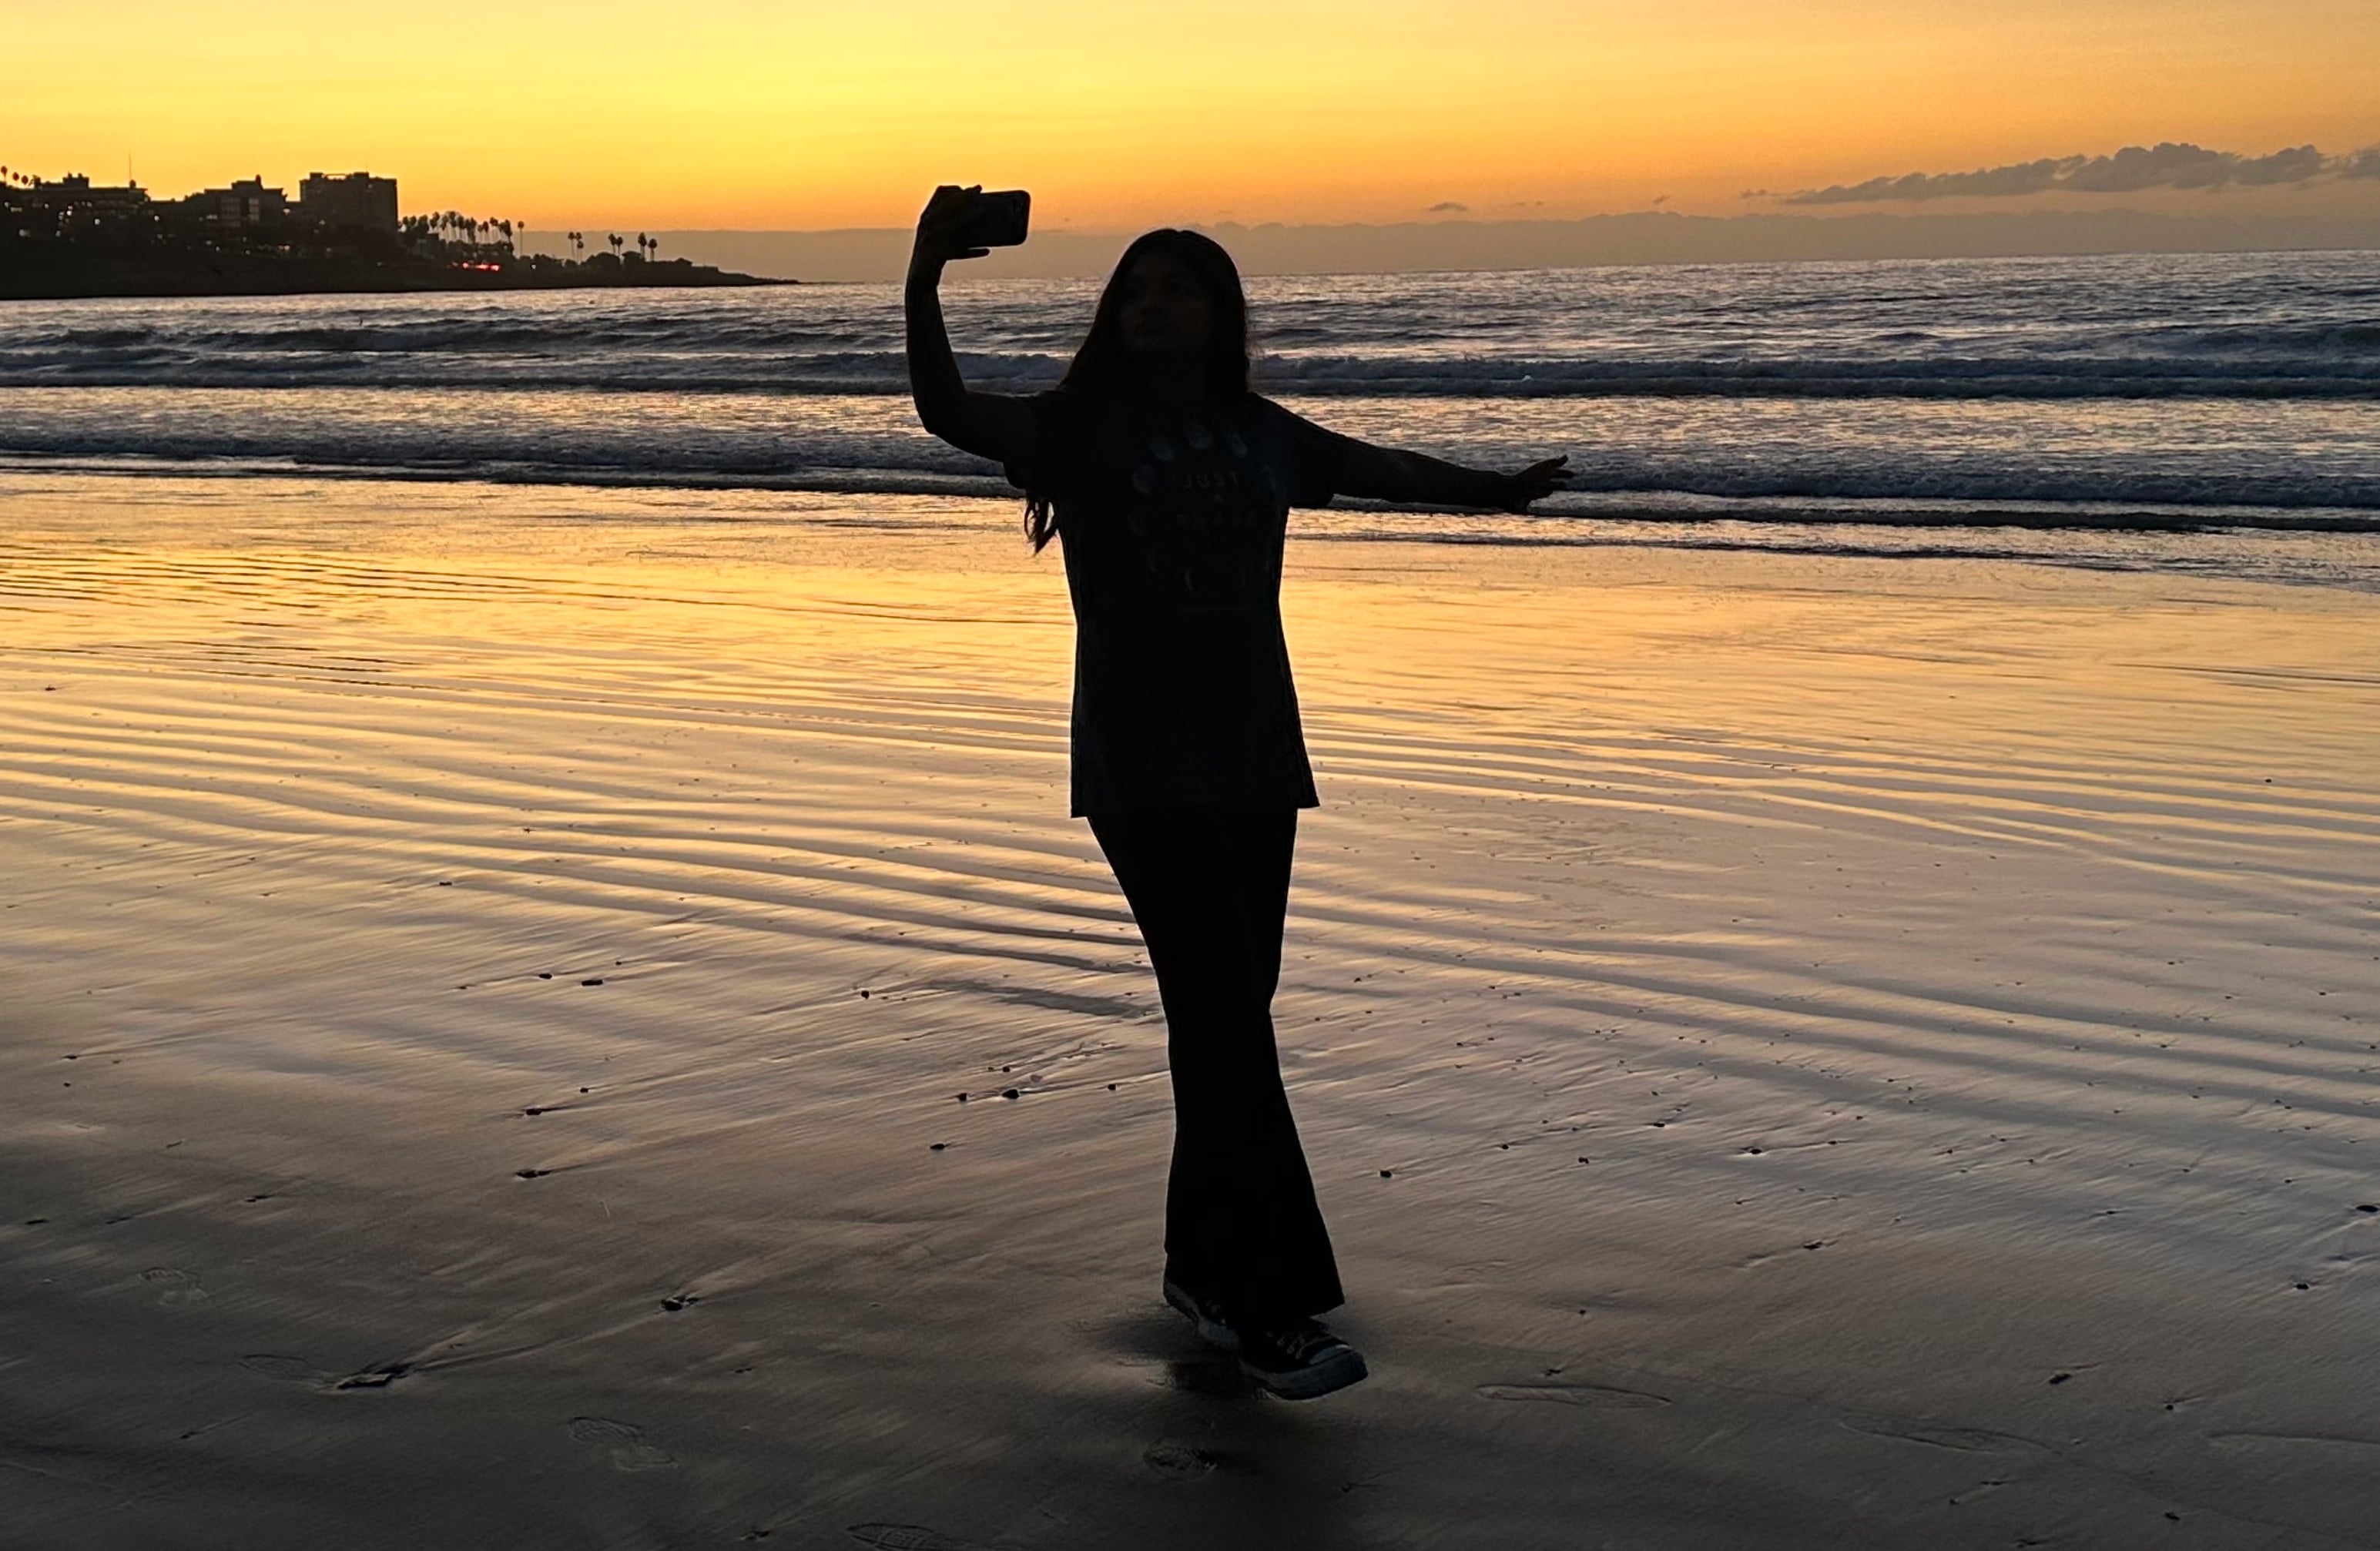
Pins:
x,y
945,215
940,205
1537,480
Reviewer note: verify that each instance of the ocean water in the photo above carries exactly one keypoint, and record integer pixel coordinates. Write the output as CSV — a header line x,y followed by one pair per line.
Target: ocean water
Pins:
x,y
2211,411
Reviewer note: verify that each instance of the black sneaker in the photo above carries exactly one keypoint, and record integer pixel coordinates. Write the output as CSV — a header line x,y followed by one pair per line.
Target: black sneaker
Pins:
x,y
1205,1313
1298,1361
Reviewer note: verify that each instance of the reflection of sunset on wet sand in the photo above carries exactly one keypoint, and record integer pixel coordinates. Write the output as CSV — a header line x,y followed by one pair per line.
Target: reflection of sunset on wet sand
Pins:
x,y
1800,1050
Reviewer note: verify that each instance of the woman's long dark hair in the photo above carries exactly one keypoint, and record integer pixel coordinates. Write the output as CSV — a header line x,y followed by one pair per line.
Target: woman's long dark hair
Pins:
x,y
1105,363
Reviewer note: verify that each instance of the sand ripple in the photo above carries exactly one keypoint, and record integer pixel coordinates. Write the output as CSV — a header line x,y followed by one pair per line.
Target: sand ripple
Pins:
x,y
1725,861
1682,933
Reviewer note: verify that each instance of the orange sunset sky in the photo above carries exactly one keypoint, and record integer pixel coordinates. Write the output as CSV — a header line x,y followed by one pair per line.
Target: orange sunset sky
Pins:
x,y
742,114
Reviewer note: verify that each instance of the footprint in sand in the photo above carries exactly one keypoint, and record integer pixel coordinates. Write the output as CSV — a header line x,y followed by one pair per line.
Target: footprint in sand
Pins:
x,y
1180,1460
174,1288
907,1537
629,1450
273,1364
1604,1396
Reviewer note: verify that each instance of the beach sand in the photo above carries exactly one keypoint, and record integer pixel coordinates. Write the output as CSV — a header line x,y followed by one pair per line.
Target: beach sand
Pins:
x,y
1795,1052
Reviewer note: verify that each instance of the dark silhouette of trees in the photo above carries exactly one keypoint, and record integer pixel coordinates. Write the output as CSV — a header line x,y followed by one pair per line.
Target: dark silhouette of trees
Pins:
x,y
452,234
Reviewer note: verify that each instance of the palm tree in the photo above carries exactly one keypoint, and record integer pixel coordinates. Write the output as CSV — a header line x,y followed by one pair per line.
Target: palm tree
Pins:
x,y
657,250
617,243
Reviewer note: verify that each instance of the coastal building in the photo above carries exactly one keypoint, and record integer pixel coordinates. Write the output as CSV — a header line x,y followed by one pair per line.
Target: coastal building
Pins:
x,y
74,206
77,192
350,200
246,202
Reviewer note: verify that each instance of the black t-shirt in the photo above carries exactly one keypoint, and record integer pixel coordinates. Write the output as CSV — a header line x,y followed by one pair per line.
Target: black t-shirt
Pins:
x,y
1172,521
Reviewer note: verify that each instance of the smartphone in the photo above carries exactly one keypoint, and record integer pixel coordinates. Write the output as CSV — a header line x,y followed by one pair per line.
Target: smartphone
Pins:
x,y
998,219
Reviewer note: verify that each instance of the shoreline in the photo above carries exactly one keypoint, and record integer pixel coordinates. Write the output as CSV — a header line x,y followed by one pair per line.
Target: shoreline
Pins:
x,y
2320,549
102,277
141,292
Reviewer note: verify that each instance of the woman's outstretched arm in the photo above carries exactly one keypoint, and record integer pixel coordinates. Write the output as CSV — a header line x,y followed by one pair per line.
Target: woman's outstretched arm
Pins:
x,y
992,426
1416,478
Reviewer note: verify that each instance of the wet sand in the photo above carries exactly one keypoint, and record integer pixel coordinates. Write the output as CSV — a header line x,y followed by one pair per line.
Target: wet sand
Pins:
x,y
1795,1052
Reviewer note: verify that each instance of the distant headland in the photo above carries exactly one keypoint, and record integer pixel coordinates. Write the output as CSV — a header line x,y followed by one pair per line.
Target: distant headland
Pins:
x,y
71,237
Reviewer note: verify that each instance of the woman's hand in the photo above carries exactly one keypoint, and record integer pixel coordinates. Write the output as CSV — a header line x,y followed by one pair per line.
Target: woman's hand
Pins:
x,y
1534,484
1385,473
988,425
939,225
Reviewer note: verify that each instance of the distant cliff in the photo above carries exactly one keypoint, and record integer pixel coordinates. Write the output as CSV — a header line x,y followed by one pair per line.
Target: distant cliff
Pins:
x,y
882,253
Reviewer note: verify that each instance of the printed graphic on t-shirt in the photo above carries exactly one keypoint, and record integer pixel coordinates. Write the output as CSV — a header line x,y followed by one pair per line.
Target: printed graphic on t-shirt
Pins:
x,y
1203,515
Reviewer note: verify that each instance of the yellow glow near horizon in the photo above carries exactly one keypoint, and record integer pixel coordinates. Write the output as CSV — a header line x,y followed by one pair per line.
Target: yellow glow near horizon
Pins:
x,y
743,113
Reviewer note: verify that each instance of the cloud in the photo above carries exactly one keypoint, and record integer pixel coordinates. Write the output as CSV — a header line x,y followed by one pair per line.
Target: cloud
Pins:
x,y
2165,165
1448,207
2191,166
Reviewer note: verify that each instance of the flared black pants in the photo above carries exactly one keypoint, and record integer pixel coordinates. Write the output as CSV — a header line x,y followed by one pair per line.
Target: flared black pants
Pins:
x,y
1209,887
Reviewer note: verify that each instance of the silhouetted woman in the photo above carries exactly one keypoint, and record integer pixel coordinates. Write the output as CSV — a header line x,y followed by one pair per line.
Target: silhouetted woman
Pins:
x,y
1170,484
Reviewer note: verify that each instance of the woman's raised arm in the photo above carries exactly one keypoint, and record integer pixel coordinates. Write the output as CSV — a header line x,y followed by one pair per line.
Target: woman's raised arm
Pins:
x,y
1384,474
992,426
